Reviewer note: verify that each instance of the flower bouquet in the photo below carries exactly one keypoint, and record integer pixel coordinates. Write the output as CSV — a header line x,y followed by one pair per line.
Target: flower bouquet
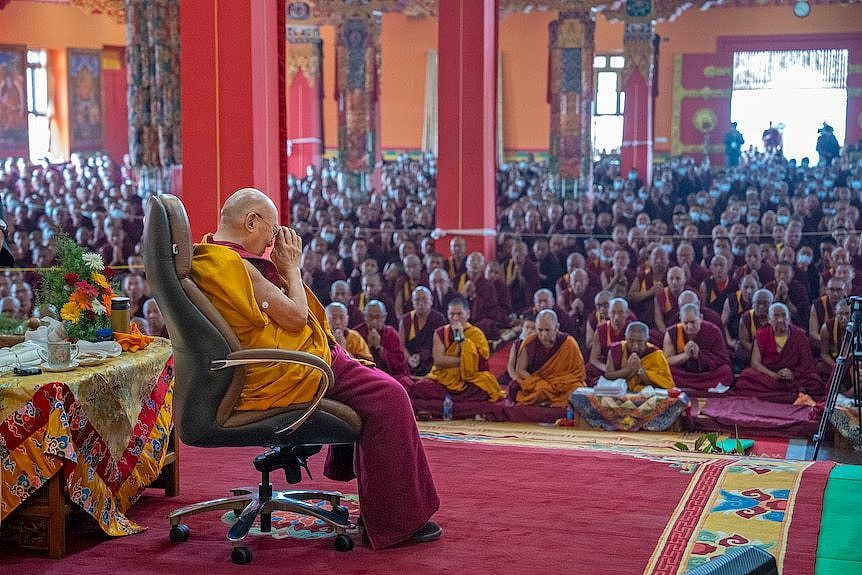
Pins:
x,y
78,290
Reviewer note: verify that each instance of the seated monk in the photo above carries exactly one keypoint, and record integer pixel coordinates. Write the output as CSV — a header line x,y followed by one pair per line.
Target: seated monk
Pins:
x,y
707,313
782,367
638,361
696,353
481,294
416,330
544,299
549,366
666,305
600,313
649,282
349,339
607,334
823,309
528,327
340,291
266,304
735,306
442,291
749,323
384,343
460,362
831,336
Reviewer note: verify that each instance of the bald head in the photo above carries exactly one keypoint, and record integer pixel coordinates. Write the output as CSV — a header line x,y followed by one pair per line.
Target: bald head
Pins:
x,y
243,202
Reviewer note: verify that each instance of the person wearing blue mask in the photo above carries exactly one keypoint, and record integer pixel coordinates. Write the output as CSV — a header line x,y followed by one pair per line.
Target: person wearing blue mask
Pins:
x,y
827,145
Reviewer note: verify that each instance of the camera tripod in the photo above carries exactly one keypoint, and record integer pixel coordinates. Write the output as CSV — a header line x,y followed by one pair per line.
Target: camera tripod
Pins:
x,y
848,362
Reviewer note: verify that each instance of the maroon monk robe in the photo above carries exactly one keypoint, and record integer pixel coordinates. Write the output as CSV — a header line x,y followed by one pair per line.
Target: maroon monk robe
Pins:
x,y
708,314
537,356
709,368
521,289
606,336
795,356
484,311
421,339
832,344
389,357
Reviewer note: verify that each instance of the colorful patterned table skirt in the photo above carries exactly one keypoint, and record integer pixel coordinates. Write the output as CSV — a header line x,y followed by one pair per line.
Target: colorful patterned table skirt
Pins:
x,y
631,412
73,426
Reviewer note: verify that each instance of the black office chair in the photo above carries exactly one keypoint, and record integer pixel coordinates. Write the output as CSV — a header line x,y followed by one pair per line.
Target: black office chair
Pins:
x,y
209,366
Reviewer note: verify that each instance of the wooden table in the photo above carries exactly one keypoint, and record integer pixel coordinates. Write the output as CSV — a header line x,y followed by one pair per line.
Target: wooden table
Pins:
x,y
95,437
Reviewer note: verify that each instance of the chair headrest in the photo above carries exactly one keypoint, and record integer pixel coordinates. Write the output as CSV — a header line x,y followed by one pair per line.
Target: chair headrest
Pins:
x,y
181,236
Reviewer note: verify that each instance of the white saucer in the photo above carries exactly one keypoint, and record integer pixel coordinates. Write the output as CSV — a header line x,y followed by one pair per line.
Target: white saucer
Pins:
x,y
70,367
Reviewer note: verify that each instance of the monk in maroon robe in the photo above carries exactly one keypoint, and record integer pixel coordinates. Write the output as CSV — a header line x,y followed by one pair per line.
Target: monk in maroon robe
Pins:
x,y
831,337
782,367
384,343
696,353
607,334
481,295
416,331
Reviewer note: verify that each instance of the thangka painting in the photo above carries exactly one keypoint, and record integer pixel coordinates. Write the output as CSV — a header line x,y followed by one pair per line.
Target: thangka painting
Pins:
x,y
85,100
14,140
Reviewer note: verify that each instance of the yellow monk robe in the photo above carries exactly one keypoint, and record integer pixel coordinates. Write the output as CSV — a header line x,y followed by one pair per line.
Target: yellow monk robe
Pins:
x,y
221,274
474,350
357,346
557,376
653,362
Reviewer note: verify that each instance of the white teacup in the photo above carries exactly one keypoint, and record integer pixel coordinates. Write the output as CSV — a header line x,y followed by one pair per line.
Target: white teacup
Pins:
x,y
60,354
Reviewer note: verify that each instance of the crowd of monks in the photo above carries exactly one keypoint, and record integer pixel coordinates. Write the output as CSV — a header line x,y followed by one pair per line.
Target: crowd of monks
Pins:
x,y
750,347
620,284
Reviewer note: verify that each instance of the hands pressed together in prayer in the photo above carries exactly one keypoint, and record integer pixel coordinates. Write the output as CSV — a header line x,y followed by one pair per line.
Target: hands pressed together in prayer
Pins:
x,y
338,334
692,350
633,363
373,338
287,250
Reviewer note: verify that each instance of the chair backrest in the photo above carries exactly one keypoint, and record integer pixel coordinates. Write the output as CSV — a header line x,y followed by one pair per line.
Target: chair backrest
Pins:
x,y
203,399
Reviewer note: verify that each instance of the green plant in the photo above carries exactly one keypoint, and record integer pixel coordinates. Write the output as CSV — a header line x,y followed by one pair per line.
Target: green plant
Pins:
x,y
709,443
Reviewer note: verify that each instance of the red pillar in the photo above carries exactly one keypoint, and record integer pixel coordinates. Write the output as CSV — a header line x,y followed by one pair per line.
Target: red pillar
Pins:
x,y
637,144
467,89
304,99
230,96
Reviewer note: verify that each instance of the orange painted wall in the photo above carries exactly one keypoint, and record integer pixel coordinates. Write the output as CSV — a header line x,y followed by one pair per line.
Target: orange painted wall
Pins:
x,y
523,42
696,32
55,27
47,25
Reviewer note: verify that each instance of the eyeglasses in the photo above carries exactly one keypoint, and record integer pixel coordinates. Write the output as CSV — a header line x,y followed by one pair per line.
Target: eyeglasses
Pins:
x,y
275,229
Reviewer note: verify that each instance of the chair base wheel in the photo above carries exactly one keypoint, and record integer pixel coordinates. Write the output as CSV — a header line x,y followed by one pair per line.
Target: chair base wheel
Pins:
x,y
343,542
179,533
241,555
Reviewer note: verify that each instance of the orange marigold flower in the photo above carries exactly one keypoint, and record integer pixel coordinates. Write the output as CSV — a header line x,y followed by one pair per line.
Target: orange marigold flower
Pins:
x,y
81,299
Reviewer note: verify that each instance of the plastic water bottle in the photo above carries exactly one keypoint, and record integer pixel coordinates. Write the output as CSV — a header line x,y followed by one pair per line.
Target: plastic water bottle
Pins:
x,y
447,408
570,412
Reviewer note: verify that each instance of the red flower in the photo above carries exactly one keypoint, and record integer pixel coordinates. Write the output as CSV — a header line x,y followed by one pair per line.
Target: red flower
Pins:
x,y
71,278
109,273
91,315
86,288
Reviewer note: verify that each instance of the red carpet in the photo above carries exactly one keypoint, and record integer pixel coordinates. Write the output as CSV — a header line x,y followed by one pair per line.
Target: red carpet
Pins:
x,y
504,510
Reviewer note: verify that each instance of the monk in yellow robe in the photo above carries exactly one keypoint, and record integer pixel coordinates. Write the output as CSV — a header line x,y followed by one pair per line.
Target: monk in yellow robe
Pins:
x,y
460,362
550,365
638,361
263,299
350,339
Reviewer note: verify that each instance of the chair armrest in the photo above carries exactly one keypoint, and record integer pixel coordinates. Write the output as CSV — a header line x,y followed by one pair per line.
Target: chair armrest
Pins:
x,y
269,355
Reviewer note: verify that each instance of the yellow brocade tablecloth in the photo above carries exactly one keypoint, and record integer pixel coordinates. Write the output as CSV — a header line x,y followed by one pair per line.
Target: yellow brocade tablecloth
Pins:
x,y
107,426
